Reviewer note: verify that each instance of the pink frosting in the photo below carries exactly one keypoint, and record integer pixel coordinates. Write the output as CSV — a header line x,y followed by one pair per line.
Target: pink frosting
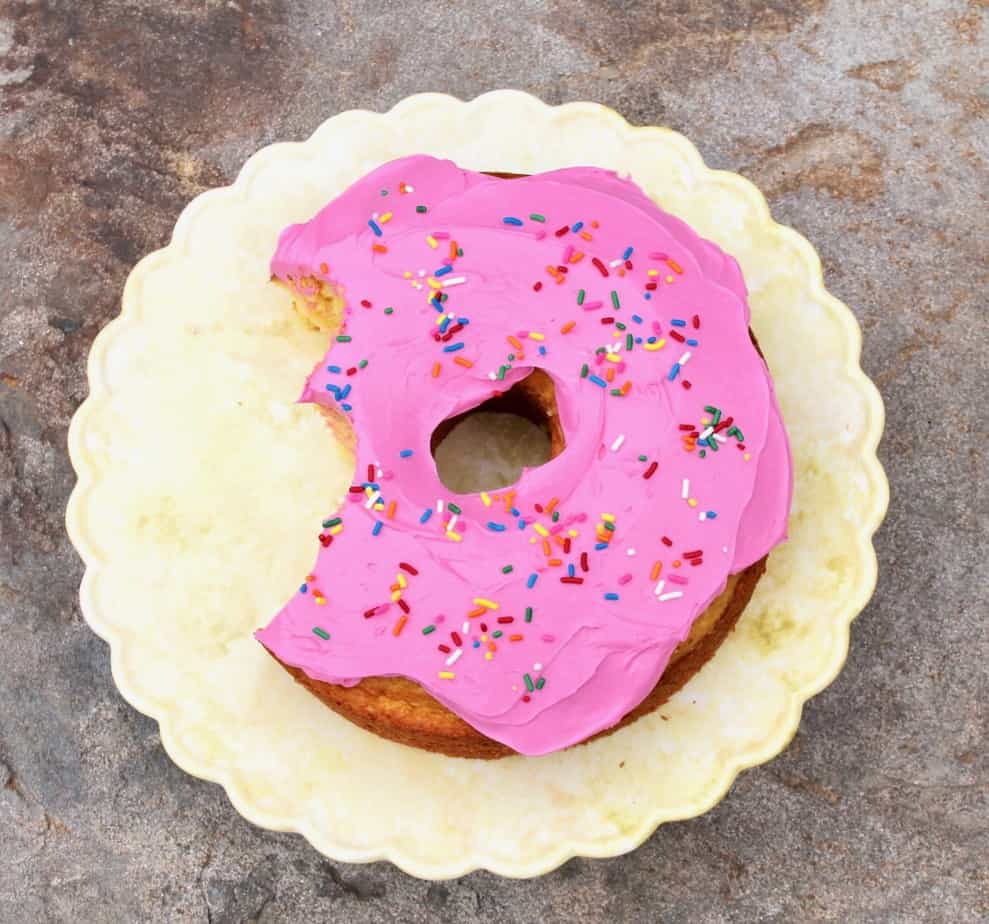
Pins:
x,y
571,648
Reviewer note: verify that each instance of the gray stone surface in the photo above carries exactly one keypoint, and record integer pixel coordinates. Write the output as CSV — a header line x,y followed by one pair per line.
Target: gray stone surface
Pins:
x,y
864,123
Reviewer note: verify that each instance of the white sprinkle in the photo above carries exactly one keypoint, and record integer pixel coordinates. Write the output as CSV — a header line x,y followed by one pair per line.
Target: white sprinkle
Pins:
x,y
409,188
380,472
658,589
617,262
454,657
372,500
374,215
537,666
707,433
685,490
492,376
724,549
630,552
617,444
673,595
422,273
439,506
683,359
702,516
452,523
465,628
719,437
453,281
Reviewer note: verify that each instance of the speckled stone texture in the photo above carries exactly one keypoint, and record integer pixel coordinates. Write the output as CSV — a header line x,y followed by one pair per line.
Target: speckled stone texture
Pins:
x,y
863,121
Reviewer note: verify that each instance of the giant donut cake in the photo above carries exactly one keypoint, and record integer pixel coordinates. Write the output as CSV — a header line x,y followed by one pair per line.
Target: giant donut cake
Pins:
x,y
536,616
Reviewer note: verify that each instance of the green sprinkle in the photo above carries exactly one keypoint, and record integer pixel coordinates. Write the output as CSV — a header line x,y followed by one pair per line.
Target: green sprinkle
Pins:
x,y
421,209
362,364
609,526
460,251
327,524
643,458
453,507
629,341
497,633
508,569
703,453
528,614
535,216
344,338
529,685
556,515
389,311
617,392
540,683
580,297
501,372
717,418
322,633
710,409
712,444
428,630
619,325
511,357
584,370
739,435
614,299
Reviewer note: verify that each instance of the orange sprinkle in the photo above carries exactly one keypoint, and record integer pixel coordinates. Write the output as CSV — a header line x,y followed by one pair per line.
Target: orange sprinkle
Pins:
x,y
546,549
391,510
560,541
402,620
626,388
677,562
453,250
595,224
569,326
555,562
461,361
479,611
551,506
379,248
586,235
492,646
609,374
323,268
310,577
656,570
515,342
673,265
509,500
576,257
436,370
515,638
554,272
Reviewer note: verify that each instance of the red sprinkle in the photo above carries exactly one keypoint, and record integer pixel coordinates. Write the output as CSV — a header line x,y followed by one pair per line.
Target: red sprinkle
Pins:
x,y
648,473
571,580
676,335
651,286
370,472
559,232
686,426
365,303
686,384
696,321
602,269
505,620
369,613
405,566
584,566
444,648
667,541
457,640
355,489
537,286
403,606
696,553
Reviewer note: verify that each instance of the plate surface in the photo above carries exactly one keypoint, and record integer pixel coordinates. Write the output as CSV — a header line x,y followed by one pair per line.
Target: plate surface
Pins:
x,y
196,470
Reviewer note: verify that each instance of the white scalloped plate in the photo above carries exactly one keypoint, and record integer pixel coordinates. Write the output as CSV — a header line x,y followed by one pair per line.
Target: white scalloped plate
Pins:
x,y
196,470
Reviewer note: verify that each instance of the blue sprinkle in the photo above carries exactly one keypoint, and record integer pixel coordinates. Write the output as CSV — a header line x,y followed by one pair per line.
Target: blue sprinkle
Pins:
x,y
443,270
648,296
611,596
674,371
304,589
597,380
496,527
453,347
702,442
637,319
711,515
333,369
577,226
571,571
444,324
628,253
477,643
437,304
650,340
531,582
373,485
677,322
373,225
509,220
426,514
405,453
542,351
638,340
521,524
346,407
464,321
344,392
334,388
692,342
516,513
600,545
377,527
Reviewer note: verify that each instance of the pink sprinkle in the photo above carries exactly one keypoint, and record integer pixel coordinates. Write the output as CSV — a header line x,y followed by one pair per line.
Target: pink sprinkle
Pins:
x,y
655,255
590,306
598,358
549,638
555,528
567,254
448,261
656,327
440,619
441,235
620,367
353,498
676,579
625,578
540,235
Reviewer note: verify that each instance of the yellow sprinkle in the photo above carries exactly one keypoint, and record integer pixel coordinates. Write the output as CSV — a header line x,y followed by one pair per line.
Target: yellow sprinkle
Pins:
x,y
400,580
746,456
336,529
384,219
485,497
658,345
692,502
379,506
534,336
613,358
705,421
456,537
396,596
652,272
434,283
539,528
572,533
432,241
447,675
608,517
488,656
484,638
406,275
669,279
487,604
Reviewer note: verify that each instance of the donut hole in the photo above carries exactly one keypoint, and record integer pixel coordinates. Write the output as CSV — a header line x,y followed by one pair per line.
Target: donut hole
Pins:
x,y
487,447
